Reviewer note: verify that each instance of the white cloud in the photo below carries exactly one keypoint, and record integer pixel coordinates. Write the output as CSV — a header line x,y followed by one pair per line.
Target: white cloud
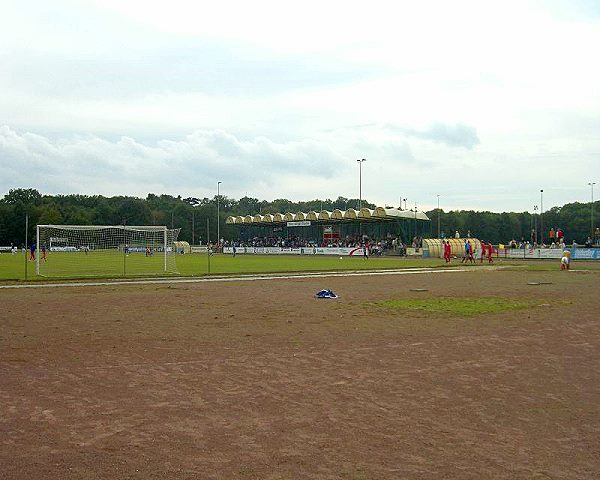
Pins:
x,y
192,165
399,165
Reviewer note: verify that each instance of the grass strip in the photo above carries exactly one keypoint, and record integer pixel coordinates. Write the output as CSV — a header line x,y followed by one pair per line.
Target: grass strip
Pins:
x,y
463,307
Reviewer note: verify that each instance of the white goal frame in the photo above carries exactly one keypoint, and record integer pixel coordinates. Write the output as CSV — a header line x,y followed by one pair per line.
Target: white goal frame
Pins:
x,y
124,228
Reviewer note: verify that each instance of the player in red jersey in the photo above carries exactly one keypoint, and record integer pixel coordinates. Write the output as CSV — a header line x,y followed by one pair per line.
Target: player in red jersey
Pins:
x,y
489,253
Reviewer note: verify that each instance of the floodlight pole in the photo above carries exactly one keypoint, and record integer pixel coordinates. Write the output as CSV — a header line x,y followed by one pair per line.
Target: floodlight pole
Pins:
x,y
535,230
439,216
542,216
208,245
360,162
218,212
415,219
26,241
591,184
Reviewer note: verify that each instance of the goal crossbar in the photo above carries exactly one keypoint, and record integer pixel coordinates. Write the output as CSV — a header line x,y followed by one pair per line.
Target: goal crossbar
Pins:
x,y
149,228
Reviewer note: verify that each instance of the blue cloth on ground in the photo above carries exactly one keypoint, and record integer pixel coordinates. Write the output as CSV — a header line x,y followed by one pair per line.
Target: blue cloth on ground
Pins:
x,y
326,294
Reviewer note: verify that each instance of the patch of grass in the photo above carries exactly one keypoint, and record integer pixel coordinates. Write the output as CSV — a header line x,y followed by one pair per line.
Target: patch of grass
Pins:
x,y
76,266
461,307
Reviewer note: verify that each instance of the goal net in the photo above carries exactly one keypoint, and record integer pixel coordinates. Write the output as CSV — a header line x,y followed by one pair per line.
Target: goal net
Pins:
x,y
97,250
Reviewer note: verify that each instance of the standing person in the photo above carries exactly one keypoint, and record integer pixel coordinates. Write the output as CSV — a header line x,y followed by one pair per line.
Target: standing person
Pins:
x,y
365,251
482,252
489,252
471,252
44,253
551,234
456,234
466,252
233,249
32,252
559,235
449,249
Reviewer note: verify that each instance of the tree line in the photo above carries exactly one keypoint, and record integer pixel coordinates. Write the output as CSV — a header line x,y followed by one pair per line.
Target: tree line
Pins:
x,y
191,214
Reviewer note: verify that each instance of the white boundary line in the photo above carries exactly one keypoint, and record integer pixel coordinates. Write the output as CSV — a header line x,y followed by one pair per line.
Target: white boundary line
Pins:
x,y
245,278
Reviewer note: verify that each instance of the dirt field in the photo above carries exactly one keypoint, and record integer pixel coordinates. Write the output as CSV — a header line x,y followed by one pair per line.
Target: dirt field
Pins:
x,y
258,380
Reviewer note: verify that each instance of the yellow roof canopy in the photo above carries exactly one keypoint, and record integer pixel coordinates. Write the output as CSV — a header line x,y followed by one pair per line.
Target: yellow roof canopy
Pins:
x,y
364,214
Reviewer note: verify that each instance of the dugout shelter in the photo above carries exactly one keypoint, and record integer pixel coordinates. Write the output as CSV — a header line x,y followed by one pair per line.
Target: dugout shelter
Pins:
x,y
433,247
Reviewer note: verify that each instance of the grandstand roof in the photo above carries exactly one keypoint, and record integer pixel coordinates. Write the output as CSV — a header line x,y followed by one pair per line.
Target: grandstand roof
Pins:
x,y
364,214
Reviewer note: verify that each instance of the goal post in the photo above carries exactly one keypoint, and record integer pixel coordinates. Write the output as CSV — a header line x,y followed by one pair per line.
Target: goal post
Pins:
x,y
105,250
165,243
37,250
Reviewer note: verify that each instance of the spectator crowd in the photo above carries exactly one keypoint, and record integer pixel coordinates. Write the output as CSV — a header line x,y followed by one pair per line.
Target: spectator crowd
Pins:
x,y
374,246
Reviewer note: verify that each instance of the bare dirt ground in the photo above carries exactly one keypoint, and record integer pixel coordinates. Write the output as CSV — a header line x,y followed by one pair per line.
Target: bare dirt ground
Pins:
x,y
259,380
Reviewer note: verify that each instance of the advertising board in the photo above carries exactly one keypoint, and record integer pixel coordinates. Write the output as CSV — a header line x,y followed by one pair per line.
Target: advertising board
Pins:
x,y
340,251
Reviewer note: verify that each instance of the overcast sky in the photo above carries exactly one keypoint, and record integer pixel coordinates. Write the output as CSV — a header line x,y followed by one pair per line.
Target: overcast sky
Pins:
x,y
483,103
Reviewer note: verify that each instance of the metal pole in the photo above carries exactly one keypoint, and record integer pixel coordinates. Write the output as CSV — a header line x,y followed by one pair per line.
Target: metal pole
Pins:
x,y
193,227
37,249
542,216
591,184
415,219
26,242
359,185
360,162
124,250
208,244
535,207
439,235
218,213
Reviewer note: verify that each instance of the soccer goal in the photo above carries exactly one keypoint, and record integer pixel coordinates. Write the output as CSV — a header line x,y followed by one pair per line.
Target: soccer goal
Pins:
x,y
99,250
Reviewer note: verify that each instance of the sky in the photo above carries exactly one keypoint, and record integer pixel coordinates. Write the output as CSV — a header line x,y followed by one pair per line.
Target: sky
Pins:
x,y
479,105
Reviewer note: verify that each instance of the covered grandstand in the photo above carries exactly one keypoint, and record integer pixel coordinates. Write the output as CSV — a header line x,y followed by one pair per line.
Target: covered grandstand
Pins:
x,y
334,226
